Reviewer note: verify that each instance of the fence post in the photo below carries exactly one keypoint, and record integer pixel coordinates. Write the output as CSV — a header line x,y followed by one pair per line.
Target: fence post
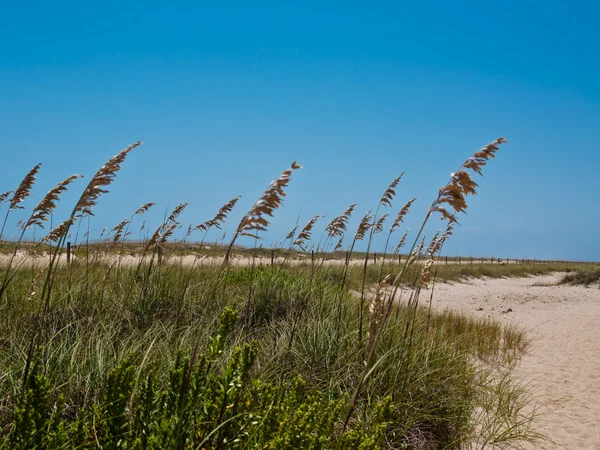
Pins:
x,y
160,254
68,253
446,259
374,258
272,257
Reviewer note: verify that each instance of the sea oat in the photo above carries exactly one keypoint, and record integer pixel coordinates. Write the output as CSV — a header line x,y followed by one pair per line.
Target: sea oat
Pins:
x,y
388,195
433,244
400,217
24,189
167,233
142,209
155,237
220,217
401,243
305,233
426,273
461,185
417,252
176,212
363,226
338,226
375,312
57,233
291,234
4,196
255,220
118,231
48,204
103,178
378,227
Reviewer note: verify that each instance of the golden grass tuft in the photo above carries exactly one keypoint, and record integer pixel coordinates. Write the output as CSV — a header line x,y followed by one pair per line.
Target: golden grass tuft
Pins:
x,y
101,179
58,232
375,314
402,242
118,231
305,233
400,217
390,192
378,227
177,212
461,185
4,196
254,221
363,226
48,204
24,189
339,224
220,217
144,208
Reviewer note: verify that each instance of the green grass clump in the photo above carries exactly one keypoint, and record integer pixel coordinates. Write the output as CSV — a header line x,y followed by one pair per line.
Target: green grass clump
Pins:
x,y
583,277
192,405
142,322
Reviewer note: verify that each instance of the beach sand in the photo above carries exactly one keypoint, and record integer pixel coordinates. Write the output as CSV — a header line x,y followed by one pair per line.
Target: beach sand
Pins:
x,y
562,366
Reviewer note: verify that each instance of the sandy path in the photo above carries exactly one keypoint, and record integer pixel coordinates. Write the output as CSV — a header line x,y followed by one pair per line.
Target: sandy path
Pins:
x,y
563,364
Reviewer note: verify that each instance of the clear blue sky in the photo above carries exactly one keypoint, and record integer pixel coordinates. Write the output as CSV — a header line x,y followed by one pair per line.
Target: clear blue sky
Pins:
x,y
225,98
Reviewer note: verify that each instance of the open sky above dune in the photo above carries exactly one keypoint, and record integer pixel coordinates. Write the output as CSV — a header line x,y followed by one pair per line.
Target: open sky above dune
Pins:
x,y
225,97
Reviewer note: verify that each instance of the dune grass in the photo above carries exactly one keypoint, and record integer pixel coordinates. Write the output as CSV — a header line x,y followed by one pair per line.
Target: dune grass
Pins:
x,y
298,327
583,276
99,353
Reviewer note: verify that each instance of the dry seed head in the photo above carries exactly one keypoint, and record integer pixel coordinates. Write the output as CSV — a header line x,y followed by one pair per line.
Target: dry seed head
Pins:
x,y
46,206
5,196
338,226
168,233
155,237
481,157
142,209
291,234
306,232
338,246
363,227
400,217
220,217
118,230
461,185
417,251
188,232
254,221
103,177
379,224
426,273
24,189
375,313
433,244
176,212
57,233
401,243
388,195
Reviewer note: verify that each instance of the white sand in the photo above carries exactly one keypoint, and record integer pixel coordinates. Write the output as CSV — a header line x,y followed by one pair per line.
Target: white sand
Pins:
x,y
563,361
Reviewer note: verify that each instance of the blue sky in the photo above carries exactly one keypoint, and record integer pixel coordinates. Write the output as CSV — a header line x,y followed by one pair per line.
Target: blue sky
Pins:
x,y
226,97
